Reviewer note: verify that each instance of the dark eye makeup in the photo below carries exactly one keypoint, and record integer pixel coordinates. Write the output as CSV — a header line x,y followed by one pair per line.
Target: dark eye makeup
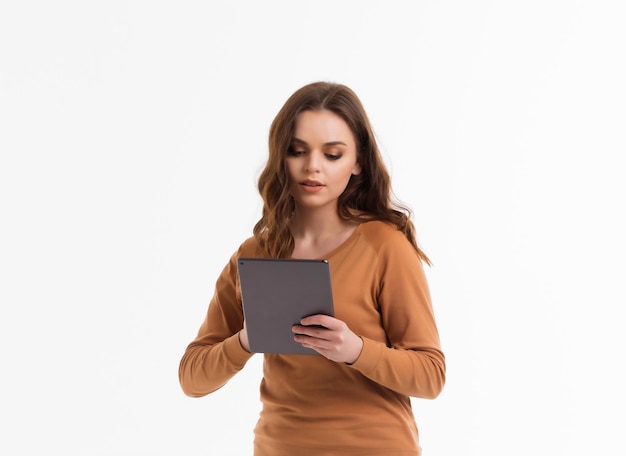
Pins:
x,y
292,152
297,151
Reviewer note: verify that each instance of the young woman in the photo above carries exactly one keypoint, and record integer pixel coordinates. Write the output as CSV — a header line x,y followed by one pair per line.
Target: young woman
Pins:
x,y
327,195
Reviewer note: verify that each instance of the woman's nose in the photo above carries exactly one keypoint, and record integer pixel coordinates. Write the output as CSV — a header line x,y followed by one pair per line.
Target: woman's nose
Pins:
x,y
312,163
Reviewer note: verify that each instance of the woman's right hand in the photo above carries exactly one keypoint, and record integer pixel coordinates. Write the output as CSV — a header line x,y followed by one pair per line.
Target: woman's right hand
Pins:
x,y
243,338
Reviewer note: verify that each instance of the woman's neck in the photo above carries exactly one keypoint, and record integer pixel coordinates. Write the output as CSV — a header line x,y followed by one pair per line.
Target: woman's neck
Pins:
x,y
316,224
316,234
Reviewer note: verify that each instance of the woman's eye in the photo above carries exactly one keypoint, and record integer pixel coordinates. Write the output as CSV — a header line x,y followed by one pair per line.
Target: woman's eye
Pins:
x,y
296,152
333,156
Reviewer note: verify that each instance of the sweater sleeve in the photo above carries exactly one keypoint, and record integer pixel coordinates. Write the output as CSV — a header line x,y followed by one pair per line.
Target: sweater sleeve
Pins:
x,y
411,362
216,354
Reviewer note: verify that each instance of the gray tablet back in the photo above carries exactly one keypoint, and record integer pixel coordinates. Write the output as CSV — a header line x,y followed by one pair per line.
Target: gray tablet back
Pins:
x,y
276,294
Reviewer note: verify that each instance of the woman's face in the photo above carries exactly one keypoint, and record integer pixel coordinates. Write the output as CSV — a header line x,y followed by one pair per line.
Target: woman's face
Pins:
x,y
321,158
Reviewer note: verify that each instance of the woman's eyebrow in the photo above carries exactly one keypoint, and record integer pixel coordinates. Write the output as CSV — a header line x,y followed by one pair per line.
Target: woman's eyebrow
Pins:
x,y
328,144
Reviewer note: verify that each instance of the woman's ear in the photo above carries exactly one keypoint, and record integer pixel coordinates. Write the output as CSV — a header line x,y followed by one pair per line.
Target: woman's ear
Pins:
x,y
356,170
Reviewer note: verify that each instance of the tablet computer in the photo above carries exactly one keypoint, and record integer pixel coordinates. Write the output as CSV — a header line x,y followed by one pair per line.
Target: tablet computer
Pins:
x,y
276,294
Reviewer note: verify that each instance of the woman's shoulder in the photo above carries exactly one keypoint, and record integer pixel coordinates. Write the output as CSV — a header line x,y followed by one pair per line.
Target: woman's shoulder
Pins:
x,y
249,248
381,234
389,243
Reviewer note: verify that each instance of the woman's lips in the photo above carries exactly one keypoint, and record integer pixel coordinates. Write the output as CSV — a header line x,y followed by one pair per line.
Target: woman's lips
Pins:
x,y
311,186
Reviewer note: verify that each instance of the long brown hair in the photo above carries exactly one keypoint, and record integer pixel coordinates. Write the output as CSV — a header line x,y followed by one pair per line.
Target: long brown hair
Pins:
x,y
368,195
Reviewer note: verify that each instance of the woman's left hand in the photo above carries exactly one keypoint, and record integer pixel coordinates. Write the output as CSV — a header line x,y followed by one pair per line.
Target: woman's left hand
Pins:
x,y
334,340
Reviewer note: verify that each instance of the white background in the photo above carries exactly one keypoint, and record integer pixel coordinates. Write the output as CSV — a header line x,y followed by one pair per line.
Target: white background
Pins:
x,y
131,137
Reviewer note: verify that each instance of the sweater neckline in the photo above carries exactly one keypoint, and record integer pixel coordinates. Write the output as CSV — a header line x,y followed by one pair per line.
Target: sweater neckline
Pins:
x,y
344,244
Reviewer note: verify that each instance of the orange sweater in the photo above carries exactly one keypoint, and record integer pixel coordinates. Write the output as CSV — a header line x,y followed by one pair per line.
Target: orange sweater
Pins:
x,y
314,406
